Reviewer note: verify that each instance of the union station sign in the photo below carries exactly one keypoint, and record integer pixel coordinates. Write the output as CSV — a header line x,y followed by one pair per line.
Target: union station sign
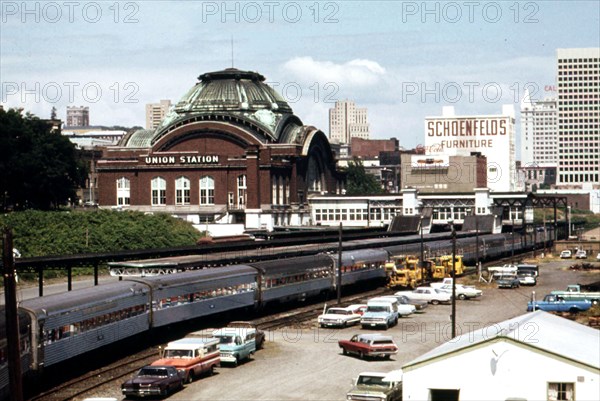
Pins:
x,y
181,159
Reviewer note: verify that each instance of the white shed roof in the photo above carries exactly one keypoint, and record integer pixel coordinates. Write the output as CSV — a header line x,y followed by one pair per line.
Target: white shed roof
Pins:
x,y
540,330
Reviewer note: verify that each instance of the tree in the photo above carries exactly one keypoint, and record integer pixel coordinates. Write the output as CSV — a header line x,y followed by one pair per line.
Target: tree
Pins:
x,y
359,182
39,168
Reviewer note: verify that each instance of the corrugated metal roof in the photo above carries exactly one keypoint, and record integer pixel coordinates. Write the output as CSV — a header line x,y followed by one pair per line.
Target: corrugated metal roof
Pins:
x,y
539,329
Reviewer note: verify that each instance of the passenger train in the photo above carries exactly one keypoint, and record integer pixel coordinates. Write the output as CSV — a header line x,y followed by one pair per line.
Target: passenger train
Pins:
x,y
59,327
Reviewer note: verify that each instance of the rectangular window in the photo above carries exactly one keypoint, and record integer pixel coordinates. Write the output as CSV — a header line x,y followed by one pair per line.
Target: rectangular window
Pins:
x,y
561,391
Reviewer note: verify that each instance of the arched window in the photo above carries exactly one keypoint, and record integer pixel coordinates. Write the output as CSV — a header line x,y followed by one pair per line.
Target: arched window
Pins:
x,y
159,191
182,191
207,191
315,176
241,190
123,191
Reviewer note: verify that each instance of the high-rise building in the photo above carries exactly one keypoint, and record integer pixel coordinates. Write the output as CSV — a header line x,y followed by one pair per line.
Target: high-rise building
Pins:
x,y
347,121
491,135
578,117
539,144
156,112
78,116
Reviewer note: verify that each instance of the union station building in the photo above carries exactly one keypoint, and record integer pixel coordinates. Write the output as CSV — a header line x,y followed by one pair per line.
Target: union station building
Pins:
x,y
230,151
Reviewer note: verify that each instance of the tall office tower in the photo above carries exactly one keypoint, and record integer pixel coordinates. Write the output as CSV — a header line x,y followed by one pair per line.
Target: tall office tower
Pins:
x,y
539,144
347,121
78,116
156,112
578,118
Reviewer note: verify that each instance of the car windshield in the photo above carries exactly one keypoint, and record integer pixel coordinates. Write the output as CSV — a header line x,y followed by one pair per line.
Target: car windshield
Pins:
x,y
372,381
377,308
226,339
178,353
153,372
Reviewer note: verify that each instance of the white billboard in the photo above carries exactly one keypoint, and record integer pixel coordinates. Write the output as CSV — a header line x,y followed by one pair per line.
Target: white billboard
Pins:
x,y
492,136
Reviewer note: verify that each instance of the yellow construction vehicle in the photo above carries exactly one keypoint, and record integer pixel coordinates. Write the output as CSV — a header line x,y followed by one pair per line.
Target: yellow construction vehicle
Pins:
x,y
403,271
442,266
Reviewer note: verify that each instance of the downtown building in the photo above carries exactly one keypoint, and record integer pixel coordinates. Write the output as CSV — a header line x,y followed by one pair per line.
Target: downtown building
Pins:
x,y
78,116
492,136
231,151
539,143
346,121
156,112
578,84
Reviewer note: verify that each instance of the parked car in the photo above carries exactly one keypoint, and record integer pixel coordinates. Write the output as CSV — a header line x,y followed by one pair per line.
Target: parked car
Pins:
x,y
581,254
338,317
463,291
377,386
527,279
552,303
419,304
236,344
153,381
405,307
358,308
380,312
260,335
566,254
366,345
428,294
508,281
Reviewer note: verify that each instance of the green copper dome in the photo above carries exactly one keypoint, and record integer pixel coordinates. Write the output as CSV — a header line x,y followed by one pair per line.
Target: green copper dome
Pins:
x,y
238,97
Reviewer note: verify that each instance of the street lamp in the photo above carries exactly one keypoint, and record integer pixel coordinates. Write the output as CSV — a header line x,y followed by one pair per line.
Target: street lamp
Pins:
x,y
453,317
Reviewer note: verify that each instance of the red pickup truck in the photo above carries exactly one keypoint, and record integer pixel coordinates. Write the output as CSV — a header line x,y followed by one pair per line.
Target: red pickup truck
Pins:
x,y
365,345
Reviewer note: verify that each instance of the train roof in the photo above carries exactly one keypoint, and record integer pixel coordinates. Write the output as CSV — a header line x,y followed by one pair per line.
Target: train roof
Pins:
x,y
364,255
301,264
191,276
82,298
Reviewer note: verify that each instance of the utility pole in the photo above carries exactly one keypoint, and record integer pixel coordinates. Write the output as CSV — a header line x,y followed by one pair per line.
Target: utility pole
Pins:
x,y
12,318
453,280
339,276
477,239
422,262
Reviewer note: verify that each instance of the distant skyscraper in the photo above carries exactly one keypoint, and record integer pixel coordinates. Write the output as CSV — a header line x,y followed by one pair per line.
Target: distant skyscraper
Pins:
x,y
347,121
78,116
156,112
578,117
539,136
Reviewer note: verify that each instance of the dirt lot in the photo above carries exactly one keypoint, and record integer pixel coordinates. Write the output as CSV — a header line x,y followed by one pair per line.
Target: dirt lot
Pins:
x,y
306,363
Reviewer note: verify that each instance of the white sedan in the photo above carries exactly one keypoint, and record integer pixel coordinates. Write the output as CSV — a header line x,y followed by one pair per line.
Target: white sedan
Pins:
x,y
429,294
338,317
463,291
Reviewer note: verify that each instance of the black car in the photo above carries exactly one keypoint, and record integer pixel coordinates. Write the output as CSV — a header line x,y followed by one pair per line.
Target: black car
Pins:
x,y
153,381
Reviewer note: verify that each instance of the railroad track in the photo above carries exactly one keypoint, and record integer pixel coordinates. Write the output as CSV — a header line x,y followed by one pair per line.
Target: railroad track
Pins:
x,y
92,380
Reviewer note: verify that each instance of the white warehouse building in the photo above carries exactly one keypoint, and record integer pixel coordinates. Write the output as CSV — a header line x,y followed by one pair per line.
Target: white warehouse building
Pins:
x,y
536,356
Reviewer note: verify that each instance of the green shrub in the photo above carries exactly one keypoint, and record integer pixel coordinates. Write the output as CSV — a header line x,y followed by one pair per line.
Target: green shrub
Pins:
x,y
37,233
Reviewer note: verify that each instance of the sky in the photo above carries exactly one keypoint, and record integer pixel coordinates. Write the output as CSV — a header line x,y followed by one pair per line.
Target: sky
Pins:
x,y
402,60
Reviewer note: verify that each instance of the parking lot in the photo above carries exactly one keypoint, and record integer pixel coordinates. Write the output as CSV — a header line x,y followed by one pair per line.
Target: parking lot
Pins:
x,y
305,363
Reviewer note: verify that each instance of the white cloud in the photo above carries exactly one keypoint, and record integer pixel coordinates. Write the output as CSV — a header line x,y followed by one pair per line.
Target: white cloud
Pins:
x,y
354,73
